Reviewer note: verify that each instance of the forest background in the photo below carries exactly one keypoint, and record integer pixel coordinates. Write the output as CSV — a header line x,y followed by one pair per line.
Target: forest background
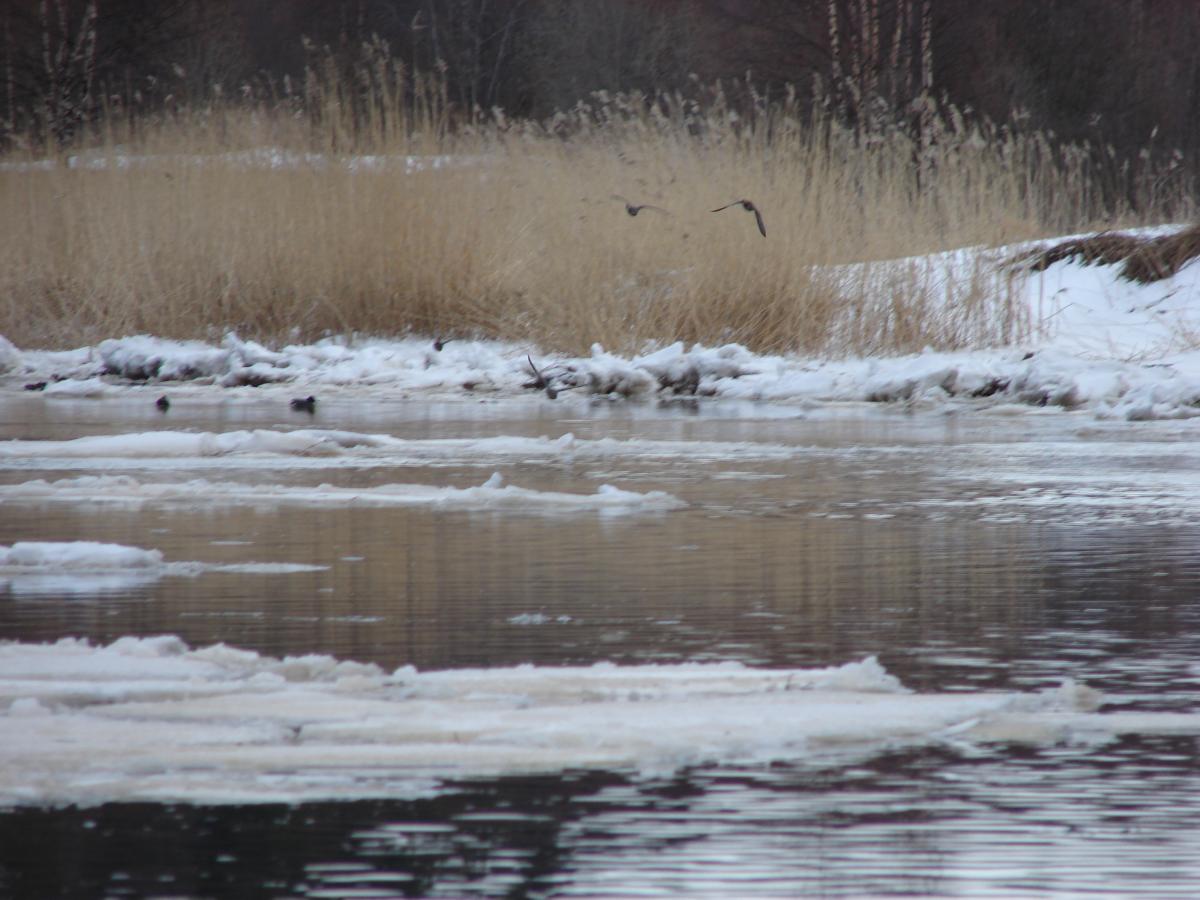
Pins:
x,y
1119,73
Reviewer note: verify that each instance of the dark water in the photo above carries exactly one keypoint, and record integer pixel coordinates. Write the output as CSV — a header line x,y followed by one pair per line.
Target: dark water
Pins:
x,y
967,551
1058,821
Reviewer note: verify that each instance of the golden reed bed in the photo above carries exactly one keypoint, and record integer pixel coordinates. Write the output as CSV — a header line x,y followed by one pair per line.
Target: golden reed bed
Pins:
x,y
282,225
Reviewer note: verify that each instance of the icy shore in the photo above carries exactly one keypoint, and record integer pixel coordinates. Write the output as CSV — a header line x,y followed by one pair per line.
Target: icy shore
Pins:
x,y
1115,348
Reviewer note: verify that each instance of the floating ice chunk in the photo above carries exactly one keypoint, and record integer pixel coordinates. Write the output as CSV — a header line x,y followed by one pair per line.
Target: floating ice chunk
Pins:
x,y
87,567
1070,695
176,444
69,388
332,444
89,555
152,719
33,568
246,568
27,707
538,618
868,675
128,490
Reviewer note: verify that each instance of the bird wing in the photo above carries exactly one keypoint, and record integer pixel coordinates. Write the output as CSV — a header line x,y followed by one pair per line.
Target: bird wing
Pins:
x,y
758,218
726,206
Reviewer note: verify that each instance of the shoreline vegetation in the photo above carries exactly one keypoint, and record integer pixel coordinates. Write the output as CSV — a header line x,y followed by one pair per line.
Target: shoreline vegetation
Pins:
x,y
371,206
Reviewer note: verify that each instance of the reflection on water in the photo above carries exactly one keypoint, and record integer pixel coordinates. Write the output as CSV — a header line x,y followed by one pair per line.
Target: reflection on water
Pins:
x,y
1064,821
966,554
941,602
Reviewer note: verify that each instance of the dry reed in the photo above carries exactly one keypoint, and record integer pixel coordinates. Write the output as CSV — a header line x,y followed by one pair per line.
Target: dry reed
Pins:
x,y
1143,259
287,225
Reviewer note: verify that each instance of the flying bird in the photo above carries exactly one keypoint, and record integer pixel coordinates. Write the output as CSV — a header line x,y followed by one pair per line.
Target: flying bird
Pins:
x,y
163,403
634,208
748,207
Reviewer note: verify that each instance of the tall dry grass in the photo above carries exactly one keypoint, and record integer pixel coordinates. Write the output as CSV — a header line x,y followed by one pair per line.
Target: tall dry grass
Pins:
x,y
286,222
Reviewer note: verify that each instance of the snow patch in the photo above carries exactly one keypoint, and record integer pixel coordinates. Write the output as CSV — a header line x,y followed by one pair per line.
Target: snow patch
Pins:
x,y
10,356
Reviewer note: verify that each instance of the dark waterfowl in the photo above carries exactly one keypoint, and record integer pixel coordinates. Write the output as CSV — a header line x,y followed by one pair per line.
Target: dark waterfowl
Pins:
x,y
634,208
749,207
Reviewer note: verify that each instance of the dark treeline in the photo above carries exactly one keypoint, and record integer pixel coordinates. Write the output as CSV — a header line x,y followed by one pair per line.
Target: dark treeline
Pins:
x,y
1118,73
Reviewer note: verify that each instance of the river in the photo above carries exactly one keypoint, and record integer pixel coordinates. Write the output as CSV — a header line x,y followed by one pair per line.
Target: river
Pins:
x,y
969,551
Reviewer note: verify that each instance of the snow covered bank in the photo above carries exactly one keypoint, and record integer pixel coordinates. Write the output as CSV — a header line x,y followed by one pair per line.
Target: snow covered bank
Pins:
x,y
1116,348
151,719
90,567
492,494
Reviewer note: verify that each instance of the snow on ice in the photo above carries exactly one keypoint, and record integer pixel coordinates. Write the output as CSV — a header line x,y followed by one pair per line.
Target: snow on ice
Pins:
x,y
492,494
152,719
269,445
29,568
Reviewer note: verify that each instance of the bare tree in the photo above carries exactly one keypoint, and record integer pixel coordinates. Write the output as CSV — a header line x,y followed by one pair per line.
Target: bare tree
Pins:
x,y
870,60
474,41
68,65
576,47
60,57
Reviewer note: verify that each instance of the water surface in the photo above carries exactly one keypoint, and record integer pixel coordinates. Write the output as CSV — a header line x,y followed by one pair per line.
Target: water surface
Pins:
x,y
967,550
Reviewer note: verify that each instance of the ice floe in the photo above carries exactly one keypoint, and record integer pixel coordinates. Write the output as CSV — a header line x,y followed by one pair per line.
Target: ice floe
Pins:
x,y
93,567
379,449
78,555
152,719
492,494
168,443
